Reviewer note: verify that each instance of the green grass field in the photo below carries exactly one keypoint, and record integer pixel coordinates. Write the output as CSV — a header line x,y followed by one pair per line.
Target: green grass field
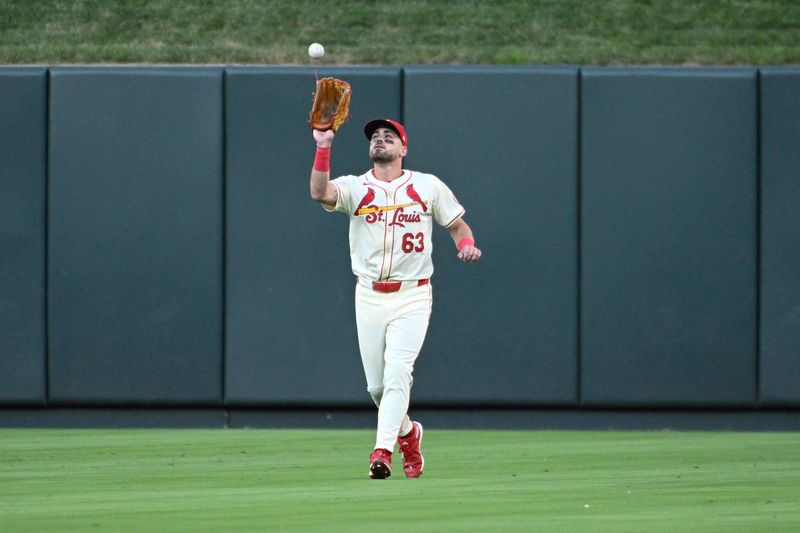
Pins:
x,y
316,480
589,32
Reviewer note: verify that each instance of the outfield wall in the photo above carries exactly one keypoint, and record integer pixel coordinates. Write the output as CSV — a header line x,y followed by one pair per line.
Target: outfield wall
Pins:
x,y
640,230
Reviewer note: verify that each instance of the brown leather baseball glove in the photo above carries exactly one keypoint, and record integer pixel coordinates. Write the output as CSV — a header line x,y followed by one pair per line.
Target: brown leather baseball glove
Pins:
x,y
331,107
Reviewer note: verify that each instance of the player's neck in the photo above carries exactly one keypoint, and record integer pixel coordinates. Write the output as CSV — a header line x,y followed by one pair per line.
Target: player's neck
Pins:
x,y
389,171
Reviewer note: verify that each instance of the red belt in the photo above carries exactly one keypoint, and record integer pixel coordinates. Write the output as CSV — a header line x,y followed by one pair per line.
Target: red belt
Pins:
x,y
394,286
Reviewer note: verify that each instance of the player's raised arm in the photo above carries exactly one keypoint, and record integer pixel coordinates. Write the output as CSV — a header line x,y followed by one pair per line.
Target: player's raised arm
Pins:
x,y
465,242
322,190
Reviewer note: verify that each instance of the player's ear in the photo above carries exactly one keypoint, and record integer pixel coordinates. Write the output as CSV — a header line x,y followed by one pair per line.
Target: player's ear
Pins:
x,y
404,151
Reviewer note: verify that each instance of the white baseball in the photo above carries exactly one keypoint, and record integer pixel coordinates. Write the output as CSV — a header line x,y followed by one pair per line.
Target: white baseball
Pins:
x,y
316,50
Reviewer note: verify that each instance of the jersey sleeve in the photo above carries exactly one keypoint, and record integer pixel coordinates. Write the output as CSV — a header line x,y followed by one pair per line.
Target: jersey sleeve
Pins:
x,y
446,208
344,200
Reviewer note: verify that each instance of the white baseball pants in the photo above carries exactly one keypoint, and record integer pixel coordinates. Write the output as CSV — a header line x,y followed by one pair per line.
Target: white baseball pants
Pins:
x,y
391,330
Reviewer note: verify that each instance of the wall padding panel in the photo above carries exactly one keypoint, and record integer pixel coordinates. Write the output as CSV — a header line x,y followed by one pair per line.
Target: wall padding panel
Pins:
x,y
668,262
780,236
290,319
504,330
23,116
135,235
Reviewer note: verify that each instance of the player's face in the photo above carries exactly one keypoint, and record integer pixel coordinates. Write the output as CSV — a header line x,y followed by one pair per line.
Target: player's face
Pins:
x,y
385,146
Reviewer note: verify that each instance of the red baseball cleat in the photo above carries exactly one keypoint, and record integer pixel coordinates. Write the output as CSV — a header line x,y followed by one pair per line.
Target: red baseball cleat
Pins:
x,y
410,449
380,464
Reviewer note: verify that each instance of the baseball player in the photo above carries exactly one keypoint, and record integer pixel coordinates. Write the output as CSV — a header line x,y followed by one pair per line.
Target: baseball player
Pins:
x,y
391,212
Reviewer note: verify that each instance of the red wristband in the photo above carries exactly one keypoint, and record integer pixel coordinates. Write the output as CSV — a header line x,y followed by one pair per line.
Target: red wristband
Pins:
x,y
322,160
466,241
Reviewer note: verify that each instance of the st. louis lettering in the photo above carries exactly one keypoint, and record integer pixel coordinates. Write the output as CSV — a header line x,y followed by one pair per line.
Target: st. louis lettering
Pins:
x,y
374,216
400,217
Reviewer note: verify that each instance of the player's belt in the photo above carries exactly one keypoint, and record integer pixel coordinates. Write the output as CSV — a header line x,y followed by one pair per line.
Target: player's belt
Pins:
x,y
391,286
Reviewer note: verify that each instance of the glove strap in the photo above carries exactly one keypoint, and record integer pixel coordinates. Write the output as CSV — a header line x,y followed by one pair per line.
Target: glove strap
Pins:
x,y
322,160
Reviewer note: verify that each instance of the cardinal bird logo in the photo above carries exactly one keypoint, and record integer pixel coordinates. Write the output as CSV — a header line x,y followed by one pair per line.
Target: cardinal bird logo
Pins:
x,y
414,196
368,198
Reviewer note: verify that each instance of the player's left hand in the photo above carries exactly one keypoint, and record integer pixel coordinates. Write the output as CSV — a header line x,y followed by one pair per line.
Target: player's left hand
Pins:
x,y
469,254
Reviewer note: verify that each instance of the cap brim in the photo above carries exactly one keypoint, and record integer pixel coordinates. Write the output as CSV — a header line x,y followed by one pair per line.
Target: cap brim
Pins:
x,y
372,125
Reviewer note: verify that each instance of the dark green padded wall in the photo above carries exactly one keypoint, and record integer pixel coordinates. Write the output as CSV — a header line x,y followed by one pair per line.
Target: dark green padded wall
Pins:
x,y
780,236
290,321
668,242
661,232
505,140
23,116
135,235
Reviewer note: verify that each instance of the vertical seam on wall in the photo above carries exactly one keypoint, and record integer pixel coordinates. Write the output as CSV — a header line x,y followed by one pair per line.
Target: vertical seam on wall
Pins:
x,y
578,235
47,237
224,239
402,118
758,239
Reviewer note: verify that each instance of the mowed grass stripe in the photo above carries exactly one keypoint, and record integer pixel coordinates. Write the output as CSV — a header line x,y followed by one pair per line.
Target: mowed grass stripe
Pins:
x,y
315,480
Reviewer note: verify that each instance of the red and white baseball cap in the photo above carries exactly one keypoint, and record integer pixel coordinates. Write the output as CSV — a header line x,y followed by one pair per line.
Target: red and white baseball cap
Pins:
x,y
399,129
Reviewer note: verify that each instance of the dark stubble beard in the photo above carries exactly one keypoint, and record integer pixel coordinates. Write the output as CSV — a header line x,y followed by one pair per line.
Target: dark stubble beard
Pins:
x,y
382,157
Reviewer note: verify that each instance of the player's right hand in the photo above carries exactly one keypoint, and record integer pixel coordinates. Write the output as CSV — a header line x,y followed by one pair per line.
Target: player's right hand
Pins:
x,y
323,137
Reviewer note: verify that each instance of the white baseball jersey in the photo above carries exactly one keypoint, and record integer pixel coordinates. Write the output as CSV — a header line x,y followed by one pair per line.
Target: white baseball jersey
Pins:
x,y
391,223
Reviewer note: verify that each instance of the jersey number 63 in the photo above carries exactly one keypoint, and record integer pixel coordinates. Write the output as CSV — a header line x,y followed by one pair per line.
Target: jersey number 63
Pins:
x,y
413,243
